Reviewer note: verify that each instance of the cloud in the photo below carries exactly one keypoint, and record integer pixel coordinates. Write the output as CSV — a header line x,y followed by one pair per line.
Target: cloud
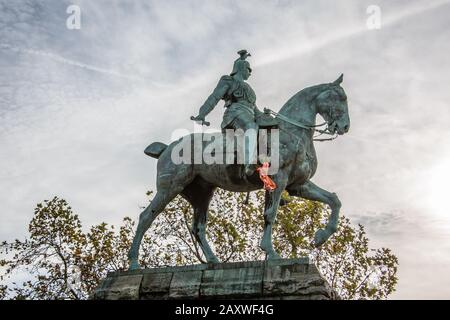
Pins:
x,y
78,107
61,59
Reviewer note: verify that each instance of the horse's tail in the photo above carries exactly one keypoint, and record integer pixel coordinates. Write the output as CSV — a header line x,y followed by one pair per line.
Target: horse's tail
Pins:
x,y
155,149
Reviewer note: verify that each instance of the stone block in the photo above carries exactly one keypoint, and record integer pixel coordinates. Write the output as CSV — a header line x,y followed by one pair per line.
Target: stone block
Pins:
x,y
156,285
185,285
232,282
125,287
293,279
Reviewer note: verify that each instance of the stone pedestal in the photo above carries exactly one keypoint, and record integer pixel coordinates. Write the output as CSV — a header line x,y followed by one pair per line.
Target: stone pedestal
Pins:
x,y
275,279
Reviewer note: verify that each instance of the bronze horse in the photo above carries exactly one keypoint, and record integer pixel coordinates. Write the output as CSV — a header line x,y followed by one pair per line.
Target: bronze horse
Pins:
x,y
297,165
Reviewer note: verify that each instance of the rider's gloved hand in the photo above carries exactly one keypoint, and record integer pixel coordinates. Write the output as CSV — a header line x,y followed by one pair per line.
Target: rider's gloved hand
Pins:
x,y
266,111
198,118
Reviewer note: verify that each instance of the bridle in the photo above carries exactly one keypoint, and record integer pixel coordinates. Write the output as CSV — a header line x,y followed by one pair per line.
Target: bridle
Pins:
x,y
304,126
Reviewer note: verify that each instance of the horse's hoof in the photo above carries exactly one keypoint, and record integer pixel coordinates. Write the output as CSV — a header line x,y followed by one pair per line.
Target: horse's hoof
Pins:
x,y
213,260
320,237
134,265
273,256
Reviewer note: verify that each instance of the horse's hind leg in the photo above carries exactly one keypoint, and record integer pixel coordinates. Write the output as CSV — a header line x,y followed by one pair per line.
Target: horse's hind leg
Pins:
x,y
159,202
199,194
199,231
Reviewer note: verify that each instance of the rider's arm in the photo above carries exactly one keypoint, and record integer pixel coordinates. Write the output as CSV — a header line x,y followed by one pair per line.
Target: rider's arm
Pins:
x,y
218,93
258,112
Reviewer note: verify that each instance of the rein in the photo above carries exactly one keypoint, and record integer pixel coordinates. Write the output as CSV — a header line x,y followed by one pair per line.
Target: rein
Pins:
x,y
304,126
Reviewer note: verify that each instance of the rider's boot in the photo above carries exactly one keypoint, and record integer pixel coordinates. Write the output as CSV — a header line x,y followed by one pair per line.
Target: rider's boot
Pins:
x,y
251,154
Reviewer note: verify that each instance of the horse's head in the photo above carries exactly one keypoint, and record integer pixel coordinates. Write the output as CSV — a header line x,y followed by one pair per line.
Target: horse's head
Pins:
x,y
331,104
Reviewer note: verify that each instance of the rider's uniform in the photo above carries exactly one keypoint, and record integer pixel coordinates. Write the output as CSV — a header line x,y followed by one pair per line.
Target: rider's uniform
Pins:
x,y
240,110
239,103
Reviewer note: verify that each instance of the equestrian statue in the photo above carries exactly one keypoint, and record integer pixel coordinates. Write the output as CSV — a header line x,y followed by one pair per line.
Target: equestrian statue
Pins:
x,y
296,122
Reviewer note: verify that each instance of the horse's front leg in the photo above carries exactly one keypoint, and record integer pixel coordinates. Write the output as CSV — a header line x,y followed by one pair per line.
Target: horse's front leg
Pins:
x,y
312,192
272,200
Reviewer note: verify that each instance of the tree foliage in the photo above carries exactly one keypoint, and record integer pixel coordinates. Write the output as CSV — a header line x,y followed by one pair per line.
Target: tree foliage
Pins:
x,y
62,261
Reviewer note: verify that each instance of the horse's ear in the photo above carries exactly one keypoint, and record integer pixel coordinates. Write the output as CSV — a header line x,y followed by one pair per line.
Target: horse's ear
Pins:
x,y
338,81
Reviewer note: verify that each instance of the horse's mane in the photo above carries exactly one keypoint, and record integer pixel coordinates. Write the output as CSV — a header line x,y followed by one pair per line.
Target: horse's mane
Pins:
x,y
302,98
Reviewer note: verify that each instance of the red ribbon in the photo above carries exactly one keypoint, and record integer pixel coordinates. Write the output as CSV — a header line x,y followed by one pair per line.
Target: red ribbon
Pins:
x,y
269,185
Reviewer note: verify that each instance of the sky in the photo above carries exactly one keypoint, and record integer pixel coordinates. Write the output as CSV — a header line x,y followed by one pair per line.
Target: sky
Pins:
x,y
79,106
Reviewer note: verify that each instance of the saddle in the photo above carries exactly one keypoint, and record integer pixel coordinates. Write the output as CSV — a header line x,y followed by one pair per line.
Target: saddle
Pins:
x,y
266,121
266,140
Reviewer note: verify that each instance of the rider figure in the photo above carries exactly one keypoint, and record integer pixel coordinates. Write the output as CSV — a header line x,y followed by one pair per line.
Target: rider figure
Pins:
x,y
241,110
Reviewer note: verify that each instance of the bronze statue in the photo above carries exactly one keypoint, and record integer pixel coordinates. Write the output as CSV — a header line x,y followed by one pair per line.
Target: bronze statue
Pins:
x,y
296,121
